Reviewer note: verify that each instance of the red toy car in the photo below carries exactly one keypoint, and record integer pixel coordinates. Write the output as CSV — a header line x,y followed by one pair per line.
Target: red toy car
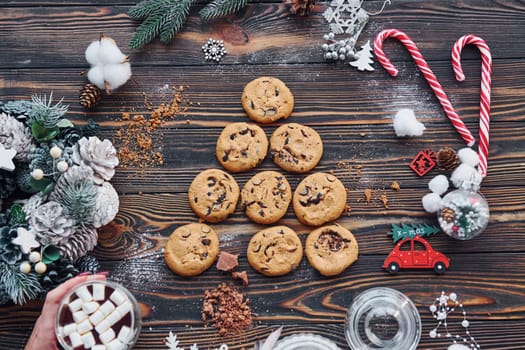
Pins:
x,y
415,253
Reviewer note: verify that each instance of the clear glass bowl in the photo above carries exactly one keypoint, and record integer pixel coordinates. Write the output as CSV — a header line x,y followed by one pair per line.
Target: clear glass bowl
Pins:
x,y
382,318
132,319
305,341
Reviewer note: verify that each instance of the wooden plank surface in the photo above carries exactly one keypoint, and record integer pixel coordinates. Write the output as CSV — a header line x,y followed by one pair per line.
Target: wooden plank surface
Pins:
x,y
42,49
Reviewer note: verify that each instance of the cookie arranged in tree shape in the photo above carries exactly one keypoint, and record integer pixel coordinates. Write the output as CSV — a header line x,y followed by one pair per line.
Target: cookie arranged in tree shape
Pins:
x,y
191,249
213,195
267,99
275,251
241,147
318,199
331,249
296,148
266,196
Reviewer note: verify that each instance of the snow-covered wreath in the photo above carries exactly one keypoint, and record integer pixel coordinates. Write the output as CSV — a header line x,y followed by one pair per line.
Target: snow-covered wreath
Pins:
x,y
62,171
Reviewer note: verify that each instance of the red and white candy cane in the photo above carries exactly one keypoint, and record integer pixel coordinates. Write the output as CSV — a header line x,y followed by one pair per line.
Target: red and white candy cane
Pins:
x,y
427,73
486,85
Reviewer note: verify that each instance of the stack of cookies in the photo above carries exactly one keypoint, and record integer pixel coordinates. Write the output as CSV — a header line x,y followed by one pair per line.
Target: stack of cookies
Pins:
x,y
318,199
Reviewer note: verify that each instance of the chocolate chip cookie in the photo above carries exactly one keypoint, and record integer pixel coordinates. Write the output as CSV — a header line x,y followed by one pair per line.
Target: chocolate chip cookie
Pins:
x,y
213,195
318,199
296,148
191,249
275,251
266,196
267,99
331,249
241,147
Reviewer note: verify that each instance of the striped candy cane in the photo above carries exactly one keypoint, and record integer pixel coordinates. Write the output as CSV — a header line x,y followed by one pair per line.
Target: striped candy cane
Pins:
x,y
486,84
427,73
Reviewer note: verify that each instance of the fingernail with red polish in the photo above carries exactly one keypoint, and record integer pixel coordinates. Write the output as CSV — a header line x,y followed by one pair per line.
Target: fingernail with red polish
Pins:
x,y
104,273
85,273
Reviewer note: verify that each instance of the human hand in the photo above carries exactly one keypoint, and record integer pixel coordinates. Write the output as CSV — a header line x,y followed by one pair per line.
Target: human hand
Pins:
x,y
43,336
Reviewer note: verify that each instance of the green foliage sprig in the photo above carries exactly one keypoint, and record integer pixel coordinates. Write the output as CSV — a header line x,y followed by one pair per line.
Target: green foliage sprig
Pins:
x,y
19,286
165,18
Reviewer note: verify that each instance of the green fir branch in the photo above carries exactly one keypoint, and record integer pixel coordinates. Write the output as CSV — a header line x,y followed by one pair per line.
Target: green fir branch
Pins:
x,y
221,8
147,7
79,199
19,286
174,25
44,113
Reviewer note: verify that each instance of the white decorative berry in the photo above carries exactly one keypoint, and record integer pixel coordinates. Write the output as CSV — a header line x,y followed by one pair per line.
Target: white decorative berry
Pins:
x,y
101,156
25,267
55,152
438,184
107,205
34,257
40,268
51,224
37,174
62,166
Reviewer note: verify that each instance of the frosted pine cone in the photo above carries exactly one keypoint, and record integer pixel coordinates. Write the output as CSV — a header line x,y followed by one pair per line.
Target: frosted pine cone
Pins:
x,y
50,222
32,203
300,7
83,240
448,159
88,263
15,135
101,156
106,207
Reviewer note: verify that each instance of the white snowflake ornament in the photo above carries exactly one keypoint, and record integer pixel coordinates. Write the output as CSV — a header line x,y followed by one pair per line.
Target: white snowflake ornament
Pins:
x,y
344,15
172,343
6,158
26,240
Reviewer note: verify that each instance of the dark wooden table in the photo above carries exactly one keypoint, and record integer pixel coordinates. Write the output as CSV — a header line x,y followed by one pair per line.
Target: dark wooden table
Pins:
x,y
42,49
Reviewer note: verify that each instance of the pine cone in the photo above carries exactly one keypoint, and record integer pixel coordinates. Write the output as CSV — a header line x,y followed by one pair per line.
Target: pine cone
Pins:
x,y
9,253
101,156
40,158
447,159
448,214
300,7
15,135
82,241
57,273
107,205
50,223
19,109
90,96
88,263
7,183
32,203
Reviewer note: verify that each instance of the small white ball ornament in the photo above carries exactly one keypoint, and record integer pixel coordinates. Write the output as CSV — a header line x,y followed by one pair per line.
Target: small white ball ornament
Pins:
x,y
37,174
25,267
40,268
35,257
55,152
62,166
468,156
438,184
431,202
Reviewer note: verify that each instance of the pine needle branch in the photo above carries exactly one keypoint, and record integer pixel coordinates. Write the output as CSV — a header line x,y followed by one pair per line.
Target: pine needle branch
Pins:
x,y
177,18
21,287
221,8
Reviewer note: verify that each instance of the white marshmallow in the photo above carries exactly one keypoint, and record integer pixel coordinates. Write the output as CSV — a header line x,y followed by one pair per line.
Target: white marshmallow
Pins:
x,y
84,327
75,305
99,347
90,307
118,298
99,291
102,327
89,340
84,294
107,336
107,308
124,334
114,317
79,316
115,345
69,328
97,317
124,308
76,339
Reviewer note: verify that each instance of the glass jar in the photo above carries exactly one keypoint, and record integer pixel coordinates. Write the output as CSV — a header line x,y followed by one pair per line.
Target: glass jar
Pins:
x,y
305,341
382,318
83,311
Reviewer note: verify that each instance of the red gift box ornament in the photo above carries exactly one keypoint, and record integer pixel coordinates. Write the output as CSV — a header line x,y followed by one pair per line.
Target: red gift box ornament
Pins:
x,y
423,162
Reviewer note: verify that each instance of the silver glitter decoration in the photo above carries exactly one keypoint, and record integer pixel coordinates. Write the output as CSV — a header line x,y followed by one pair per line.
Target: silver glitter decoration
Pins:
x,y
213,50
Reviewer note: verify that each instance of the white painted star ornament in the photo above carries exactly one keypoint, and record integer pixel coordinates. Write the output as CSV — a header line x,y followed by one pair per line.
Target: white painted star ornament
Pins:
x,y
26,240
6,158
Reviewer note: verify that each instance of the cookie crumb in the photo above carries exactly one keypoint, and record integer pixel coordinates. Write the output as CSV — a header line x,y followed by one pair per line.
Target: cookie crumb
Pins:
x,y
243,276
227,262
384,199
362,134
395,186
368,195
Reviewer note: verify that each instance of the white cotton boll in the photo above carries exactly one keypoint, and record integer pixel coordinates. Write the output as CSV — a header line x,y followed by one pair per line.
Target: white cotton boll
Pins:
x,y
439,184
93,53
406,124
468,156
96,76
109,51
431,202
117,74
466,177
